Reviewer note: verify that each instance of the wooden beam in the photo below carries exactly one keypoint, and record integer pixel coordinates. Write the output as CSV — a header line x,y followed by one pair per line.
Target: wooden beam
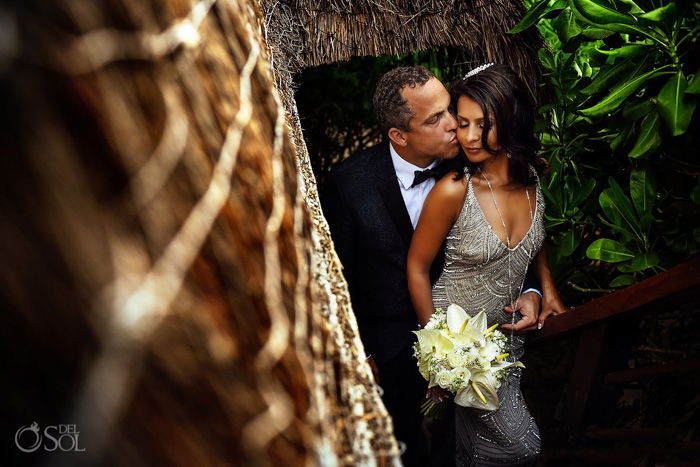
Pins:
x,y
645,373
636,434
677,279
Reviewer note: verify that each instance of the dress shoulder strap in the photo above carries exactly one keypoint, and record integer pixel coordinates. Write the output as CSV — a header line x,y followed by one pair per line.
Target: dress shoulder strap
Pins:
x,y
534,172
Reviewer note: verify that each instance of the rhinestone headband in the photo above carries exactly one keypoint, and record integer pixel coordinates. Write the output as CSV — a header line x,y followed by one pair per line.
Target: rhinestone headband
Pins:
x,y
477,70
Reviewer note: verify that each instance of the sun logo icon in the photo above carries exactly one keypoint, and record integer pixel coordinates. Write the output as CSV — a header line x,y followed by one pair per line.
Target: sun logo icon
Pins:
x,y
21,443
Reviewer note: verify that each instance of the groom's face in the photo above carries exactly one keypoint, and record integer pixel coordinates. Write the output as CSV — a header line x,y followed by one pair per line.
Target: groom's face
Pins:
x,y
433,127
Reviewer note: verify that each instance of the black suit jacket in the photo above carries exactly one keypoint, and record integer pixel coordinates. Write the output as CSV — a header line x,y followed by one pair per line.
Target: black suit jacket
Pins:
x,y
372,232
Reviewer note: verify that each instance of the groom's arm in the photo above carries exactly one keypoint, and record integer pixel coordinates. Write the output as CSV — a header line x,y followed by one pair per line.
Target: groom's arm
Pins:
x,y
531,283
336,210
337,213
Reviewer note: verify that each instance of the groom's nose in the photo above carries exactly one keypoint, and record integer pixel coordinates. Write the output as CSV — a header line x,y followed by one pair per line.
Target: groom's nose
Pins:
x,y
451,124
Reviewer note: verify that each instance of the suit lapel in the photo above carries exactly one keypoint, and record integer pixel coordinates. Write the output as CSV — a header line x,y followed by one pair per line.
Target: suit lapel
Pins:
x,y
391,194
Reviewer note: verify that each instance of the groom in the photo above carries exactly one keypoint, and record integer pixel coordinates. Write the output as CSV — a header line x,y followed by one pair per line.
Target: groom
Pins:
x,y
373,203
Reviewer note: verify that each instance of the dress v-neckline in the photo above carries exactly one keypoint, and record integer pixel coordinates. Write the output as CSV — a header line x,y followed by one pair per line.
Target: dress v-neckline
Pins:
x,y
483,216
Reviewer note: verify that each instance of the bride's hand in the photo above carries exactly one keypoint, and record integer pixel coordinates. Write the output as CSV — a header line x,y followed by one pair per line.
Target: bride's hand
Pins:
x,y
552,304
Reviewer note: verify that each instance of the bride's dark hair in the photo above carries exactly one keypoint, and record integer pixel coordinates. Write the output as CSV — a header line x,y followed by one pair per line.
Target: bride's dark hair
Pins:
x,y
502,95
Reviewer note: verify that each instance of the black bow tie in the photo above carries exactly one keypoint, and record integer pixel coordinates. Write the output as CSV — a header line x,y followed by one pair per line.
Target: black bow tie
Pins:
x,y
423,175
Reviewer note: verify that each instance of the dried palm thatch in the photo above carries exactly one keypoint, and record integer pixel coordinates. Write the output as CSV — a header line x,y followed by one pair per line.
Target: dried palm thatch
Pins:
x,y
157,247
169,280
313,32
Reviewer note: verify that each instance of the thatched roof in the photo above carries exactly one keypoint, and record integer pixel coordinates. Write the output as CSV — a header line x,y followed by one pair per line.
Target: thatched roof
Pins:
x,y
314,32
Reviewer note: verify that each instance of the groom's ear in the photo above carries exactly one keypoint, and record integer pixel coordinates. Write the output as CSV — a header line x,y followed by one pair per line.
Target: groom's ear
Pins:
x,y
398,137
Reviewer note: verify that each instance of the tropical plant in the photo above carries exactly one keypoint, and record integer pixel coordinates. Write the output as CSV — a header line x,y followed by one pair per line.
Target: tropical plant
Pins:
x,y
618,135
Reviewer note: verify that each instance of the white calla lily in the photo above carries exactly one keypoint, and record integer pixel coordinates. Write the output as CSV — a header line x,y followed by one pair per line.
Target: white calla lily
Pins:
x,y
480,393
456,316
478,323
432,341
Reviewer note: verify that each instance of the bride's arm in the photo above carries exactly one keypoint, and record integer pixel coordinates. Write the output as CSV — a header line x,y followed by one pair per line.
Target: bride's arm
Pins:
x,y
551,301
439,213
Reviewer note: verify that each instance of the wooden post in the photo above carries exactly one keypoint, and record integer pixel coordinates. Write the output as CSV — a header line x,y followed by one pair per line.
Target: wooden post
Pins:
x,y
588,354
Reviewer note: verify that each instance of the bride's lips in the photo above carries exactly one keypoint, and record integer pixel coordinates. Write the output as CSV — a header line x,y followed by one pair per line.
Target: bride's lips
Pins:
x,y
473,150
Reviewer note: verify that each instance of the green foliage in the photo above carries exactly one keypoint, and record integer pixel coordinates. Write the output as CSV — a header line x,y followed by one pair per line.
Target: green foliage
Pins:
x,y
620,136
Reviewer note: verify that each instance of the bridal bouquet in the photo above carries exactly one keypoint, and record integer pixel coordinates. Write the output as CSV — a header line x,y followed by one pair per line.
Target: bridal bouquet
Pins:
x,y
460,354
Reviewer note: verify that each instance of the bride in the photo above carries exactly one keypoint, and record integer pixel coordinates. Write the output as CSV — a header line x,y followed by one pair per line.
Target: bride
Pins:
x,y
489,212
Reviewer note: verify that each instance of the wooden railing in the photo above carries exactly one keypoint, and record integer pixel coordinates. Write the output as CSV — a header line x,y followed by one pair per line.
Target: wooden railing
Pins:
x,y
589,324
633,299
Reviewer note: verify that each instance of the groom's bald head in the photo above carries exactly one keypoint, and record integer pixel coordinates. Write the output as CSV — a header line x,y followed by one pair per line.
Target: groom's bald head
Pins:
x,y
393,111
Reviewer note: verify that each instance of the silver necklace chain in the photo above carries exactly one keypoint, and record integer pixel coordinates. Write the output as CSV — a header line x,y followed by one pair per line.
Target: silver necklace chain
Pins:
x,y
510,251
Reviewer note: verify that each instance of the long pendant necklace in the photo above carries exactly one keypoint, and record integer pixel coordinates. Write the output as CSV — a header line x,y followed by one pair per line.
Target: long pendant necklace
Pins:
x,y
510,250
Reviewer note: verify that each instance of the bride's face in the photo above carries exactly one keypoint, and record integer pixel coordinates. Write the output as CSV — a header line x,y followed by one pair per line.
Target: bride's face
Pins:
x,y
470,125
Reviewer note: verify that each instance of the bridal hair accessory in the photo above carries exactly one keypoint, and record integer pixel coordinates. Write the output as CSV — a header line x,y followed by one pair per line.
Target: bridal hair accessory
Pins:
x,y
478,69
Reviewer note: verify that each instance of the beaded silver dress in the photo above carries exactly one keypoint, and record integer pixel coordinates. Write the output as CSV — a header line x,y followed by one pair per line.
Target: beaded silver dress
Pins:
x,y
482,273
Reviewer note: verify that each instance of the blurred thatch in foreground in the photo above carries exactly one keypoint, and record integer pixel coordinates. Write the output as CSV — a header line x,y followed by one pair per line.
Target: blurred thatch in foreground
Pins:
x,y
168,280
156,271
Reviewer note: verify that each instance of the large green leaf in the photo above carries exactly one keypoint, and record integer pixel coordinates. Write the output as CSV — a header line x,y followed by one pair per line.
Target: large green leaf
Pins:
x,y
618,207
609,76
570,241
599,13
595,33
622,138
609,251
617,96
632,7
694,85
664,16
649,136
535,13
622,202
644,261
554,200
637,110
627,51
622,280
675,108
643,190
567,27
583,192
638,30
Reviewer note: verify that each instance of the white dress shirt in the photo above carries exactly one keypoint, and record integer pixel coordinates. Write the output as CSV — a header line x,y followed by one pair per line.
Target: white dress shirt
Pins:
x,y
414,197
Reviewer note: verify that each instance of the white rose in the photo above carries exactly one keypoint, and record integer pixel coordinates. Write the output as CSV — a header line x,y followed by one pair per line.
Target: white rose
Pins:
x,y
462,375
455,360
443,379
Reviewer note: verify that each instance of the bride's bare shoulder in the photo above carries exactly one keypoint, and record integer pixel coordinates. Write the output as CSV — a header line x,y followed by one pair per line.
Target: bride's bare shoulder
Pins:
x,y
450,186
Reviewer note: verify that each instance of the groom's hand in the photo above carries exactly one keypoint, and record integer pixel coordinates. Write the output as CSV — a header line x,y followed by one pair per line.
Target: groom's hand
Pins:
x,y
528,305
